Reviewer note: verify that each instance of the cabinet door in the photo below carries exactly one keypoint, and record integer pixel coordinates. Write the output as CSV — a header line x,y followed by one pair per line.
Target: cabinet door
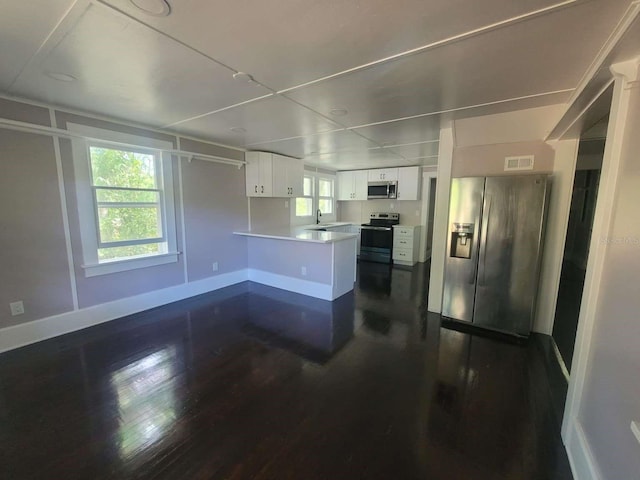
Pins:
x,y
409,182
345,185
280,166
376,175
360,180
252,174
383,174
390,174
266,175
295,177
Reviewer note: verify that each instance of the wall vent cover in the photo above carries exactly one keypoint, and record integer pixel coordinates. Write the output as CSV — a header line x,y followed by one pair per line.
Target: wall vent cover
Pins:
x,y
524,162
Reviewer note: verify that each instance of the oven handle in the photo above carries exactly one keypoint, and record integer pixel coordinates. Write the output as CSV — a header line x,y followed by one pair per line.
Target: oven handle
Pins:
x,y
377,228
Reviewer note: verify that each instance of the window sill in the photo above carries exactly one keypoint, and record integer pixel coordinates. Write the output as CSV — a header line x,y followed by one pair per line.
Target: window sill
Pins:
x,y
116,266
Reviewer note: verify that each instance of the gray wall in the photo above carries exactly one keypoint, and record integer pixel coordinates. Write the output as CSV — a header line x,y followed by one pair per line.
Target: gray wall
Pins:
x,y
488,160
611,398
287,257
35,267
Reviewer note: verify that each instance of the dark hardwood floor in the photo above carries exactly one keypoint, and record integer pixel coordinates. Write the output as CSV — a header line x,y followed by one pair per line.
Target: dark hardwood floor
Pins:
x,y
254,383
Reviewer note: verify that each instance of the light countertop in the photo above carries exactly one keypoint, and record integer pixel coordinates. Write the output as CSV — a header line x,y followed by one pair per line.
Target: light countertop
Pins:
x,y
299,235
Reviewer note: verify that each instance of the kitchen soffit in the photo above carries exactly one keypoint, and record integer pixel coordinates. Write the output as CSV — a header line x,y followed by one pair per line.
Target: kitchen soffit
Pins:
x,y
320,39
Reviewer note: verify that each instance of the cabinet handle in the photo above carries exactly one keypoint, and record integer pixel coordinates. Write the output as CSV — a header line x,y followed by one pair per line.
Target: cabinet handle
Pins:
x,y
256,188
262,189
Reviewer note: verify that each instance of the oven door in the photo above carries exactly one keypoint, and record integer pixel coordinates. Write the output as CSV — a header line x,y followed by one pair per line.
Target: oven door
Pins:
x,y
376,244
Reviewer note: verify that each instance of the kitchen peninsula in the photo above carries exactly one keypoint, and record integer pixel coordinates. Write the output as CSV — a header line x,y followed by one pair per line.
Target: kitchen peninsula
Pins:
x,y
321,264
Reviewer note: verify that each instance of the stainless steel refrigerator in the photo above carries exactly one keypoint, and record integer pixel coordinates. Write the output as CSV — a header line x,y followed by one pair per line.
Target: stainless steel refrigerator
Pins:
x,y
494,251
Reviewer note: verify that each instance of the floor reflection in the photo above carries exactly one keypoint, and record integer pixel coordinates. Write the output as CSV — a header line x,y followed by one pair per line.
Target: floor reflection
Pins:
x,y
312,329
146,395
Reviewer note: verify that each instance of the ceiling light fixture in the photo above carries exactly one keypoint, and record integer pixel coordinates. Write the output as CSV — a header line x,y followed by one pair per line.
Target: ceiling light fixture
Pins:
x,y
338,112
62,77
243,77
157,8
238,130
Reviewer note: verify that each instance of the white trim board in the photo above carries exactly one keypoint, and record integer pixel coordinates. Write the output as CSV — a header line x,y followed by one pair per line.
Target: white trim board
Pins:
x,y
583,465
31,332
305,287
603,218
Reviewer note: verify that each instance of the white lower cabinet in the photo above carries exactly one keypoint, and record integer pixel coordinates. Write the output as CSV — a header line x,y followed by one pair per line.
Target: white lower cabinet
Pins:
x,y
406,244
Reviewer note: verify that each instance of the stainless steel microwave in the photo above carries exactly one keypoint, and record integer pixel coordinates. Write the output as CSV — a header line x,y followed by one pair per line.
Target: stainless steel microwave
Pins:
x,y
382,190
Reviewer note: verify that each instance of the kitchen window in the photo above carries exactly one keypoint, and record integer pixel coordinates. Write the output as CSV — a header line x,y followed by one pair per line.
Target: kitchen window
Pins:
x,y
318,193
125,201
304,204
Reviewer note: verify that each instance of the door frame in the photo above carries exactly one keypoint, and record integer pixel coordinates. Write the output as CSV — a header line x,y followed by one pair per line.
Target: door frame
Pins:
x,y
424,217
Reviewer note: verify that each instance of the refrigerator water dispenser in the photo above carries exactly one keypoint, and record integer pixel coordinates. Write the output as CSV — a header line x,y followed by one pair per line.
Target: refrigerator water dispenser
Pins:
x,y
461,240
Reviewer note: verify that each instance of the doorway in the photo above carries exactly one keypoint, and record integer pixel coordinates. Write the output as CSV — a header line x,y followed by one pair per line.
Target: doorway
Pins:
x,y
429,183
576,249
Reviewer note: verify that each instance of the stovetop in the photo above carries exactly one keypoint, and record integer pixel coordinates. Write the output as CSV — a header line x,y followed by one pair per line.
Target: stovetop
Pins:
x,y
382,219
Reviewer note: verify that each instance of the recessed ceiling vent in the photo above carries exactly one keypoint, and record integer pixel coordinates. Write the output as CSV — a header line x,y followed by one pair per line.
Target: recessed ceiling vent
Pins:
x,y
524,162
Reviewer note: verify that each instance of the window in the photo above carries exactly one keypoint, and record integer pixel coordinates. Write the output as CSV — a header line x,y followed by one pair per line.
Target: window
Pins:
x,y
125,201
318,193
325,195
304,204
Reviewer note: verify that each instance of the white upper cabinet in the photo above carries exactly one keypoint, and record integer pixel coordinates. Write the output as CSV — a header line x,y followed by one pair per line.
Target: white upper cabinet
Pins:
x,y
259,174
288,176
271,175
360,180
383,174
352,185
409,183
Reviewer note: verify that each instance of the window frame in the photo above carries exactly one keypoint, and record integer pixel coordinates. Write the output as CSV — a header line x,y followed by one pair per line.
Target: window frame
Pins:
x,y
331,179
305,218
315,200
86,200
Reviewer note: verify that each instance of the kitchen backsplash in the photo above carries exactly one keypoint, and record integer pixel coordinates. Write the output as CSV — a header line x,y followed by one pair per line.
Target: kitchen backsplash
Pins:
x,y
359,212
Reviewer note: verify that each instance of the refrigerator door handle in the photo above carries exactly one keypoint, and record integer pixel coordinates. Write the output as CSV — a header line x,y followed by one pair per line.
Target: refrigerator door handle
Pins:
x,y
484,240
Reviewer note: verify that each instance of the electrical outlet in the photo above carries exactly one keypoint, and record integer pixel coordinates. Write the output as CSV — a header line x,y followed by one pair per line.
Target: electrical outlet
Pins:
x,y
17,308
214,265
303,271
417,213
286,204
392,205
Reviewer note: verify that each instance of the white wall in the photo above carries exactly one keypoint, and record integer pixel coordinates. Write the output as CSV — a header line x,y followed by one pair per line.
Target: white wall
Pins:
x,y
604,392
441,218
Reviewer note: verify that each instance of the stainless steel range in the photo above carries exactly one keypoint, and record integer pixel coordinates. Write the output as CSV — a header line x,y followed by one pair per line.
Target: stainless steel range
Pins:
x,y
376,240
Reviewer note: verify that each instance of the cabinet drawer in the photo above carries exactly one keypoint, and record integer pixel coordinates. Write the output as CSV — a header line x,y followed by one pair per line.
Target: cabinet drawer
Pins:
x,y
403,231
403,254
403,242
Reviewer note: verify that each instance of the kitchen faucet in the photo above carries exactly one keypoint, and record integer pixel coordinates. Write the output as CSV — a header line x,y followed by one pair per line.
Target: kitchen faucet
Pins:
x,y
318,215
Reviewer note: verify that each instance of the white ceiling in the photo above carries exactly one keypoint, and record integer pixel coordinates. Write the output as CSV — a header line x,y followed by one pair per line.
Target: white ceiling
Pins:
x,y
398,67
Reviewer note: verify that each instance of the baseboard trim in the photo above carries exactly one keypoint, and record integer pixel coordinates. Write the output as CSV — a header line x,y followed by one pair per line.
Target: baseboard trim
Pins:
x,y
304,287
32,332
583,463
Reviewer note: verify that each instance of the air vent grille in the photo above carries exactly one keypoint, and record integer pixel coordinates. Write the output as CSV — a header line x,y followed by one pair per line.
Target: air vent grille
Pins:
x,y
518,163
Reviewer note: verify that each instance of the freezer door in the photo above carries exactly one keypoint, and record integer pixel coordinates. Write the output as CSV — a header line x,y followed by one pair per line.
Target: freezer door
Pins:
x,y
510,251
465,209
